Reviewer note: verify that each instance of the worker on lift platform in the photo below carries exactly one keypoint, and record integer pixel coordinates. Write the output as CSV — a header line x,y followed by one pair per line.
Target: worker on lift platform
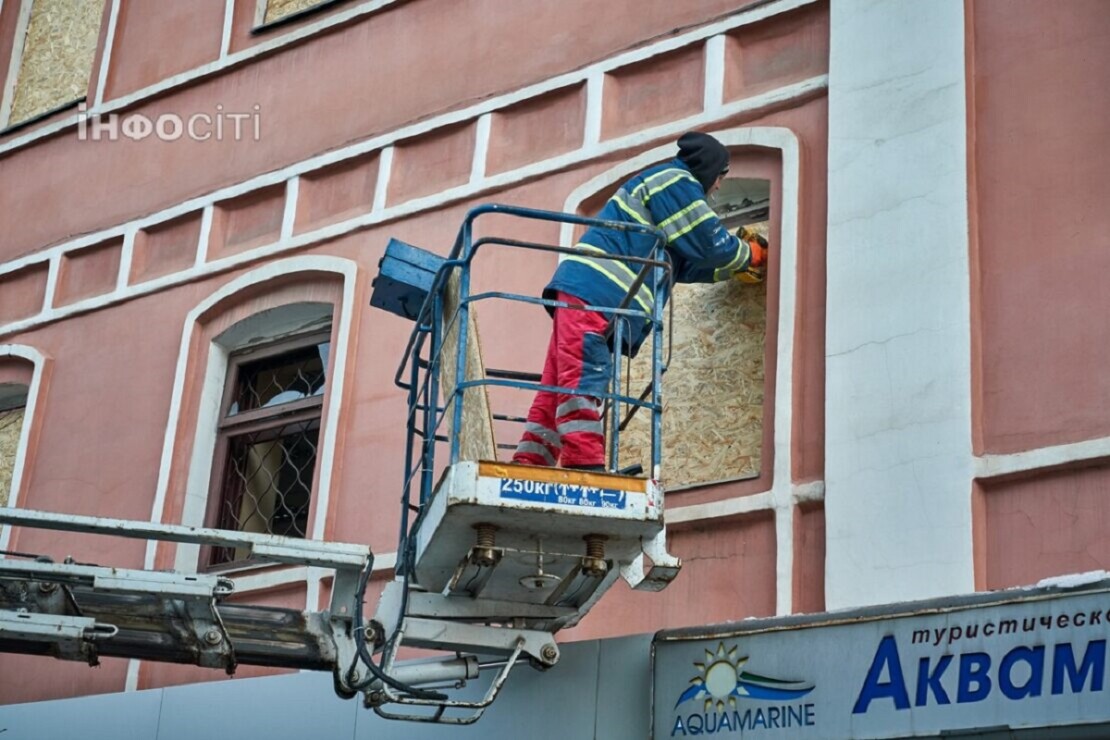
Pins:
x,y
672,197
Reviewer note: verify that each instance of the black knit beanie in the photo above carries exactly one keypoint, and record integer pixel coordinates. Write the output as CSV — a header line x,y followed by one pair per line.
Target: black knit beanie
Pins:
x,y
706,157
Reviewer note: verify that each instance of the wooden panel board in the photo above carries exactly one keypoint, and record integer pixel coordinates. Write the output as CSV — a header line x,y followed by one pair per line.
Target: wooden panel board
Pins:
x,y
57,58
713,388
477,441
11,423
276,9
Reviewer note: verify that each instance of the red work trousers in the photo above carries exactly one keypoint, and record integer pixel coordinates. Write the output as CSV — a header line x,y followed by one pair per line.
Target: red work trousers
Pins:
x,y
564,428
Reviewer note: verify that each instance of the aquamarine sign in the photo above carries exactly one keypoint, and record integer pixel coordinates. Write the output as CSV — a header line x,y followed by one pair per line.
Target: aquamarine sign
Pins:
x,y
1019,659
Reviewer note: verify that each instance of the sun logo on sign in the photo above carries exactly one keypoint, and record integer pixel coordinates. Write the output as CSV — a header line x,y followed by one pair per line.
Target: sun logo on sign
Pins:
x,y
722,679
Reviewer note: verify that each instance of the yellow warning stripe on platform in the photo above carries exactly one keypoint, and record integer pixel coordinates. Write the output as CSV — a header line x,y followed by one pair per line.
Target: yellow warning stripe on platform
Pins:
x,y
562,475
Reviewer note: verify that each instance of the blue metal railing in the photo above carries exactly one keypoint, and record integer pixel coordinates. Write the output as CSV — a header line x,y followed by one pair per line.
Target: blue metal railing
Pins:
x,y
420,369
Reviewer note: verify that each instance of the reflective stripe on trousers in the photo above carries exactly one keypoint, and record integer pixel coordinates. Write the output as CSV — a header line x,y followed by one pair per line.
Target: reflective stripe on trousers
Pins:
x,y
564,428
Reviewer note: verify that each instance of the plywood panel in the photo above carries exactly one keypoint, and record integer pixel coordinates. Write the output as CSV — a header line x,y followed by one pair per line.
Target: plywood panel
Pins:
x,y
276,9
713,388
57,56
11,422
476,442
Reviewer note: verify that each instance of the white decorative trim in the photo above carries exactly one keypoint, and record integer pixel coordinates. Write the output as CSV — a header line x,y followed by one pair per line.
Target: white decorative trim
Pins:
x,y
131,682
229,24
714,73
205,433
292,191
337,381
205,234
780,497
736,506
380,213
801,493
275,578
314,583
481,147
106,58
53,268
385,172
30,412
741,18
809,493
1091,450
190,77
595,96
898,460
126,258
8,100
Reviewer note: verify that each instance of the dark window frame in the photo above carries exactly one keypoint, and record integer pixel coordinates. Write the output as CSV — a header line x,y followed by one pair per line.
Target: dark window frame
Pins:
x,y
308,411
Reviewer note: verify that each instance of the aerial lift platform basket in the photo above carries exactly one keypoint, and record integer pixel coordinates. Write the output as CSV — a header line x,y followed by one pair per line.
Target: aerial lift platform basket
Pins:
x,y
493,557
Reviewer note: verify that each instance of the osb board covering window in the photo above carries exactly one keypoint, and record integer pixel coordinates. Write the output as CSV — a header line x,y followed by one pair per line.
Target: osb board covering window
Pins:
x,y
57,56
713,388
476,441
11,423
276,9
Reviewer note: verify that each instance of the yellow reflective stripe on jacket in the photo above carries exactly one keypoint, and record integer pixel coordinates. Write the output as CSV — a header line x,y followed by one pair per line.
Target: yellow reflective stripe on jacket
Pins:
x,y
743,253
605,266
691,226
686,219
633,207
673,173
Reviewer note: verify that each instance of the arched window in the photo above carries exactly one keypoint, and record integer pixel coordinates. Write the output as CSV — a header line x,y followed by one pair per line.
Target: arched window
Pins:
x,y
253,423
264,463
22,370
719,410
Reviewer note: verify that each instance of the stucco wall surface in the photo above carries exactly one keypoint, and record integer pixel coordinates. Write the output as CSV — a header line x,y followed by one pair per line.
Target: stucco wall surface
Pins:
x,y
1041,169
897,421
371,76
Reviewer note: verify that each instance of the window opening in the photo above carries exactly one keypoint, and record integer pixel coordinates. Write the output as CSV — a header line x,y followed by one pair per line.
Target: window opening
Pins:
x,y
269,433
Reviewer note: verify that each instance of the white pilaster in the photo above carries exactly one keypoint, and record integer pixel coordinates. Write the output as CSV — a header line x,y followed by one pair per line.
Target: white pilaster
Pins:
x,y
898,397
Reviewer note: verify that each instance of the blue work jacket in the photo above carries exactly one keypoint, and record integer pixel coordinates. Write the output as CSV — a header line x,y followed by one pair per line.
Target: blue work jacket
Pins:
x,y
698,248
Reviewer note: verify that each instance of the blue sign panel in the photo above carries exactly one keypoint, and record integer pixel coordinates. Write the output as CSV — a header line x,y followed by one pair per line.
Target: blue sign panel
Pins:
x,y
567,494
1019,659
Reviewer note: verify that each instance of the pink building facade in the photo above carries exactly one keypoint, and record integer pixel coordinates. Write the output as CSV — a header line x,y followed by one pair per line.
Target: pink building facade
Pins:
x,y
934,414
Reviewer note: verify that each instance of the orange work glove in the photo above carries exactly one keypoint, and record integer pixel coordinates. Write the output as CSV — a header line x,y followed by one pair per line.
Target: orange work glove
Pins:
x,y
758,245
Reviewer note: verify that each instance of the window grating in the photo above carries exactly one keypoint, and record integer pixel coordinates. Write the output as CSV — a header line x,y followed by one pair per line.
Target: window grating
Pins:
x,y
273,381
268,442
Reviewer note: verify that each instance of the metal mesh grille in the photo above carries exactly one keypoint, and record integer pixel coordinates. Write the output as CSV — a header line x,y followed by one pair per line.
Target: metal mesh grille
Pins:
x,y
288,377
268,483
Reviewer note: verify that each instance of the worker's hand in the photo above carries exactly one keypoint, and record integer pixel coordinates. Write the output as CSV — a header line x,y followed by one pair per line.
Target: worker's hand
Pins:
x,y
756,243
756,265
759,252
750,275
